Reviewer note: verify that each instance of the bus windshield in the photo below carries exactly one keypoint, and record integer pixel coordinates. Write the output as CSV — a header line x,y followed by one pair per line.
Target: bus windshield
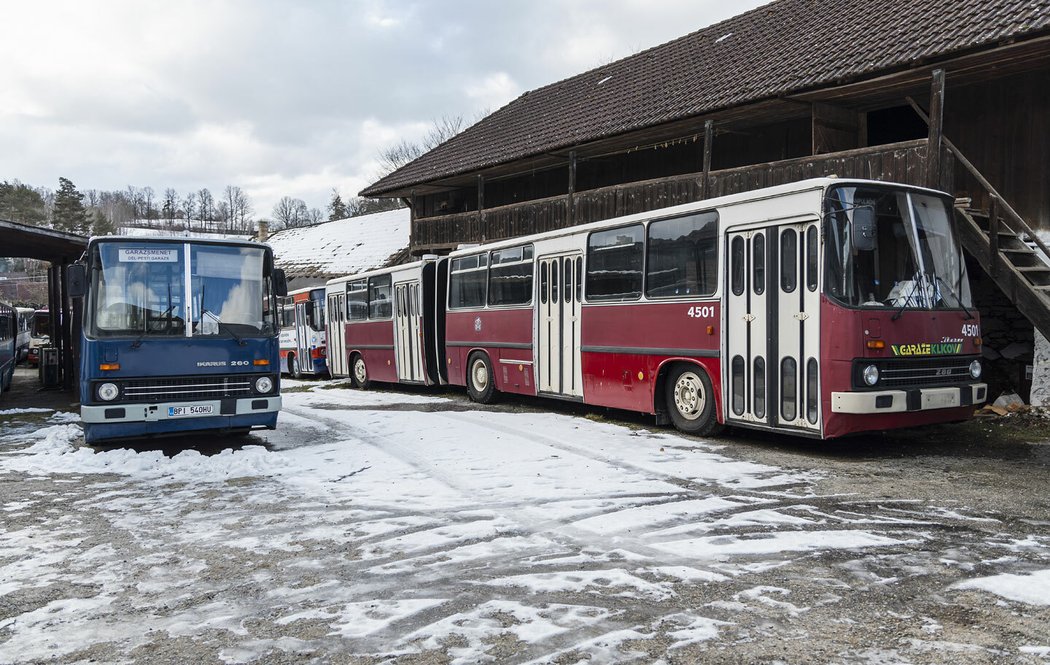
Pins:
x,y
910,260
145,289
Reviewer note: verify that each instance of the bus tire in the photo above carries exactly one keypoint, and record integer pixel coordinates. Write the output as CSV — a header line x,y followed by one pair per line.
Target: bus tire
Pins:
x,y
690,401
293,366
359,372
481,381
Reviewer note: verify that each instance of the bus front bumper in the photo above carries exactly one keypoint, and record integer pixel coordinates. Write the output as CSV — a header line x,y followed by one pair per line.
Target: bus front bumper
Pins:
x,y
182,412
902,401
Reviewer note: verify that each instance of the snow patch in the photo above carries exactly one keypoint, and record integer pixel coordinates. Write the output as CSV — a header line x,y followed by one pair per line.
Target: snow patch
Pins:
x,y
1032,589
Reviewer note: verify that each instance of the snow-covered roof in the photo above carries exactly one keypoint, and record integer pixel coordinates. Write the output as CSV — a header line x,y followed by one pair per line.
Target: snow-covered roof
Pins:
x,y
136,232
342,247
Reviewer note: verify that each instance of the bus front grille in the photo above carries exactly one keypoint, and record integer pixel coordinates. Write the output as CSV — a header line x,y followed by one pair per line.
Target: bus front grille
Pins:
x,y
923,373
187,388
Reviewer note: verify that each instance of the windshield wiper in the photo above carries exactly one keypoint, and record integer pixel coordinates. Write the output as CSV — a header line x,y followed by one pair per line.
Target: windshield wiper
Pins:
x,y
958,300
916,280
138,340
223,326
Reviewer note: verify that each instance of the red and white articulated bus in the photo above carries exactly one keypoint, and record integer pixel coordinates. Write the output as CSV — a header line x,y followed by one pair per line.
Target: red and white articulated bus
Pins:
x,y
382,326
303,349
819,308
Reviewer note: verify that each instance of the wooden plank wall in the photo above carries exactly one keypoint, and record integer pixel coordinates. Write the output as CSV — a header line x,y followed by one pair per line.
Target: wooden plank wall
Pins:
x,y
900,162
1003,127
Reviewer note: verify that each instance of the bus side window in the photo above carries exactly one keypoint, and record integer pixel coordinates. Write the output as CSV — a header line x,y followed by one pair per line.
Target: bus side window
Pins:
x,y
682,256
379,304
614,264
468,281
357,301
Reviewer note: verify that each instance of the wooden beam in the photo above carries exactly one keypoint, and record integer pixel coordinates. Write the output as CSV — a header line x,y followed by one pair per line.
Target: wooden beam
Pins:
x,y
570,198
993,235
709,135
936,124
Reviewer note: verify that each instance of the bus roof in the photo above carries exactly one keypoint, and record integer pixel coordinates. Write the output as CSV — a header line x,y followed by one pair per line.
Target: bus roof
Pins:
x,y
381,271
306,289
175,238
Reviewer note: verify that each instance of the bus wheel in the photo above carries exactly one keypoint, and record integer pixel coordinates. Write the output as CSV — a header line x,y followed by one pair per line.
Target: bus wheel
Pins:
x,y
690,401
360,372
481,383
293,367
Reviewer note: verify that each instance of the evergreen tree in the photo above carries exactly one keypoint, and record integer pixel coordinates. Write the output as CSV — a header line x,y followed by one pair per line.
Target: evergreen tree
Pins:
x,y
336,208
69,213
101,225
21,203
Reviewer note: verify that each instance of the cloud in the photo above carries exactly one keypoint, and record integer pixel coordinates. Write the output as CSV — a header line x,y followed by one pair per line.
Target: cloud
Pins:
x,y
278,97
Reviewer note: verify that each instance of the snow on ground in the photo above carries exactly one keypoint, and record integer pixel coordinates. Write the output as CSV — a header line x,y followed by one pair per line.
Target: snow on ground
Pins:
x,y
386,524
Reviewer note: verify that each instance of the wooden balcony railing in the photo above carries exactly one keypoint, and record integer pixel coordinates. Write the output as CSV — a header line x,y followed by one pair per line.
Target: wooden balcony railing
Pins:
x,y
897,162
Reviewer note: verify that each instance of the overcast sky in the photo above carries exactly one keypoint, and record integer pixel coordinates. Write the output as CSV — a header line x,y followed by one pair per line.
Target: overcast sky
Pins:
x,y
283,97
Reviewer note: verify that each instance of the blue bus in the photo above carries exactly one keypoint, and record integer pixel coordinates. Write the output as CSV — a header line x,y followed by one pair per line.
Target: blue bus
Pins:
x,y
8,340
179,335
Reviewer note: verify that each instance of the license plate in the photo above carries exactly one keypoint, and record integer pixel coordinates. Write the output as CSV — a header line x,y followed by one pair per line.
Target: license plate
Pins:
x,y
940,400
190,410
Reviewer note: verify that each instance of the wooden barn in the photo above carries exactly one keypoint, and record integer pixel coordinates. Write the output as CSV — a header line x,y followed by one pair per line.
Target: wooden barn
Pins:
x,y
953,94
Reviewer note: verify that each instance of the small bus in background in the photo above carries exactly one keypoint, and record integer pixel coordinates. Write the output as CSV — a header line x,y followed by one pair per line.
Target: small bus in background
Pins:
x,y
24,330
179,335
39,335
382,325
8,340
303,349
818,308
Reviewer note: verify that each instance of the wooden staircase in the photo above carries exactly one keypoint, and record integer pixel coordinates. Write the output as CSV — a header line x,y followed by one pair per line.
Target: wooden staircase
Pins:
x,y
1005,246
1009,251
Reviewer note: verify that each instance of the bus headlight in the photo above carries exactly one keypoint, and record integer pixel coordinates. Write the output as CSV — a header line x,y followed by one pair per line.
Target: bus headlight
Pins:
x,y
107,392
975,369
871,375
263,384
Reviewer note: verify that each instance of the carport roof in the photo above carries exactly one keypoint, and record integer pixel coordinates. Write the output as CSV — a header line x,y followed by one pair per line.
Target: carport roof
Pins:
x,y
33,242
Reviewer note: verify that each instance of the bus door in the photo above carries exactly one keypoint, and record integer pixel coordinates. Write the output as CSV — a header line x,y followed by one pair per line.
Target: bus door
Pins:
x,y
302,338
407,327
335,339
772,326
558,319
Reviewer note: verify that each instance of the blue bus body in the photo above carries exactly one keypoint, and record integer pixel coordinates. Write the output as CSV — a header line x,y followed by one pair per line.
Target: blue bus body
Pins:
x,y
179,336
8,337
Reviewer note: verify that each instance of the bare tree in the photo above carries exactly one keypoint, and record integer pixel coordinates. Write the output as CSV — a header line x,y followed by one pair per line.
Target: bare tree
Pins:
x,y
133,196
314,216
222,212
189,208
170,207
205,205
147,201
405,151
290,213
239,206
358,206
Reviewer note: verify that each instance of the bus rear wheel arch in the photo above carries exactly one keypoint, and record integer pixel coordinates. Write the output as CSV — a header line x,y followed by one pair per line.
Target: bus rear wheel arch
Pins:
x,y
293,366
689,399
359,372
481,380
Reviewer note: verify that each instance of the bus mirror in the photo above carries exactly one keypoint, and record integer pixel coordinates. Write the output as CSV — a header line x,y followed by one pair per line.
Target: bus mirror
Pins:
x,y
76,280
864,229
280,283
